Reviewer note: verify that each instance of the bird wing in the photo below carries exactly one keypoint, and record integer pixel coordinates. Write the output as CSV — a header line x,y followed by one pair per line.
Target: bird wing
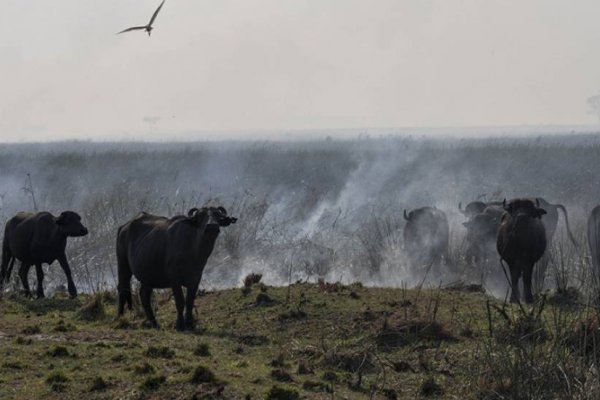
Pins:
x,y
133,28
155,13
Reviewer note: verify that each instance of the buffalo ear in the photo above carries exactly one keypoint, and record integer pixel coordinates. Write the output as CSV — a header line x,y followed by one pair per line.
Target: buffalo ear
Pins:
x,y
61,219
406,217
539,212
222,210
195,216
466,224
227,221
504,206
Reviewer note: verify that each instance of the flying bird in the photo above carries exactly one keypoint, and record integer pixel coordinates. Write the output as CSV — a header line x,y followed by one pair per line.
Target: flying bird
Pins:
x,y
148,28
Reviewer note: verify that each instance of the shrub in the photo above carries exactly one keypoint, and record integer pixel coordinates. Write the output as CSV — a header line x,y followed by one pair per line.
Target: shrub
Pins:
x,y
252,279
203,375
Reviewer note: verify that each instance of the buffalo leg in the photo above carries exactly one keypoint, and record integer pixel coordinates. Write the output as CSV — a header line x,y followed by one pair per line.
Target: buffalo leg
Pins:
x,y
527,272
5,273
189,306
145,298
23,274
70,284
124,286
515,274
39,272
180,304
7,258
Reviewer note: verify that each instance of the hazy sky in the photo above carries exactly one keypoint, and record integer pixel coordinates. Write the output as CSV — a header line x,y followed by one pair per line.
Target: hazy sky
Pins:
x,y
214,65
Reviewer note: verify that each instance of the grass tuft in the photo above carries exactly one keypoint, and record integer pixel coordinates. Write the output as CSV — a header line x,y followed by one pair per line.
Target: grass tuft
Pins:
x,y
93,310
153,382
281,376
58,351
31,330
98,385
23,341
429,387
202,350
159,352
143,369
263,299
61,326
57,381
280,393
202,374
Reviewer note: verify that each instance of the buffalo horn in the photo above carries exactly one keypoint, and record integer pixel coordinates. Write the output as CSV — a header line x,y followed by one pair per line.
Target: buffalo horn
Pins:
x,y
192,212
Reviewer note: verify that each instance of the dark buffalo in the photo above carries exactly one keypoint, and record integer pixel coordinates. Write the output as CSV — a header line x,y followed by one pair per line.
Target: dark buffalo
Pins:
x,y
36,239
426,236
167,253
482,230
474,208
521,242
593,233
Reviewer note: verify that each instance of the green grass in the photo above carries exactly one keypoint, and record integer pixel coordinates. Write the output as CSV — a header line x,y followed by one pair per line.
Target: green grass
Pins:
x,y
311,341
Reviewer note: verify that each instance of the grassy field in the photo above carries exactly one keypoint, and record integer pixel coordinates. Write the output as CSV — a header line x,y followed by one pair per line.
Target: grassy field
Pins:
x,y
314,341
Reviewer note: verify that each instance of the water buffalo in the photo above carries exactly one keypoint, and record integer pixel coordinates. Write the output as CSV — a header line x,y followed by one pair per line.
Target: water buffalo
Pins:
x,y
521,242
167,253
593,233
476,207
426,236
36,239
482,230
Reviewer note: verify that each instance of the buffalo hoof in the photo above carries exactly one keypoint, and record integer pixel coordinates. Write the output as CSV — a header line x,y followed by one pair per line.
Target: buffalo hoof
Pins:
x,y
40,295
151,324
190,324
72,294
180,326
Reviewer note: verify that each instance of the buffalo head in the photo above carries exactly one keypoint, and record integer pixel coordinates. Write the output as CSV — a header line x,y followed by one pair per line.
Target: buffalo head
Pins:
x,y
520,208
471,209
69,222
210,217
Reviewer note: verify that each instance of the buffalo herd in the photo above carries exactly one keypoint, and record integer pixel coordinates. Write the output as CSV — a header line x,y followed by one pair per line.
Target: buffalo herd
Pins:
x,y
163,252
